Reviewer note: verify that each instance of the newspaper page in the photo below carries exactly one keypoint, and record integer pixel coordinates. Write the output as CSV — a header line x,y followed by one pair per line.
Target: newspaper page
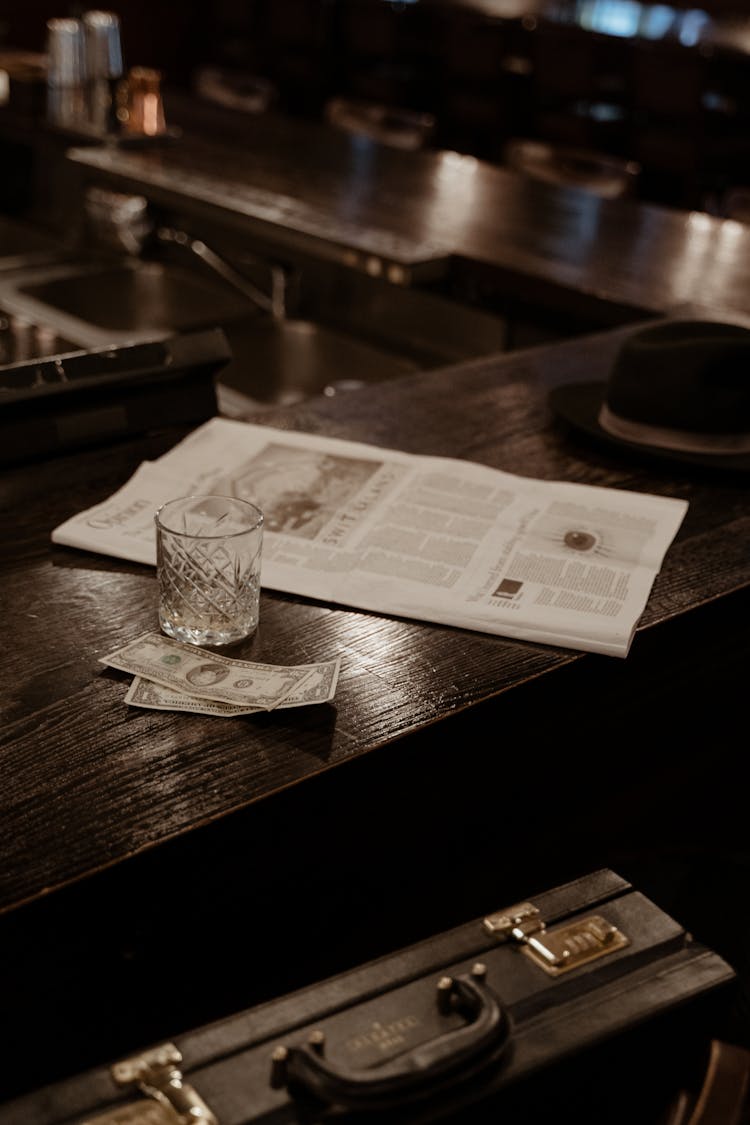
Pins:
x,y
432,538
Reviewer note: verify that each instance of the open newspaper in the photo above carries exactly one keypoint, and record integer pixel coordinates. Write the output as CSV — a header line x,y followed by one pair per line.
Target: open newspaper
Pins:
x,y
431,538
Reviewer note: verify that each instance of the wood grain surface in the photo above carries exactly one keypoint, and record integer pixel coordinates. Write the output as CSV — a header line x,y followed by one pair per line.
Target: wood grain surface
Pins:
x,y
159,871
88,781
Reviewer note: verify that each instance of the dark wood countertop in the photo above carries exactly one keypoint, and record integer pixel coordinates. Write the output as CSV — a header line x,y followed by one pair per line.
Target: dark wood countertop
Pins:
x,y
89,782
374,208
161,870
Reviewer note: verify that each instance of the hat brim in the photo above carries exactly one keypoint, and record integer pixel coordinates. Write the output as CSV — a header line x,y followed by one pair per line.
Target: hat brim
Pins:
x,y
579,404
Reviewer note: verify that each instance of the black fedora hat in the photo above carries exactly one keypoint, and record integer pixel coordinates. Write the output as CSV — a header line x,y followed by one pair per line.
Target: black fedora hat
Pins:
x,y
678,390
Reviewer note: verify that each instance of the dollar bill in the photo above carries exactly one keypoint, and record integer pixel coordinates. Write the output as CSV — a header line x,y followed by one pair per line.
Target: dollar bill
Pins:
x,y
146,693
194,671
317,687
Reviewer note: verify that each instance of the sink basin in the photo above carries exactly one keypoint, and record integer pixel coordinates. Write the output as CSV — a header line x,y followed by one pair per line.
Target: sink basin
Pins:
x,y
350,330
274,361
279,362
145,297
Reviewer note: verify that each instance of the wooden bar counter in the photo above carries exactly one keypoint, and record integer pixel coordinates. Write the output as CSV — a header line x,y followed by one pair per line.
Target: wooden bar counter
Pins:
x,y
413,217
160,869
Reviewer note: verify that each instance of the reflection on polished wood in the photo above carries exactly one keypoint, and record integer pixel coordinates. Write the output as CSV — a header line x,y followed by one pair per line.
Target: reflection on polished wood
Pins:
x,y
305,185
89,782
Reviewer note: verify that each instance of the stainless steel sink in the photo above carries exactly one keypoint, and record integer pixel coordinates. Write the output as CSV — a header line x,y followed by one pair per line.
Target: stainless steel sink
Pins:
x,y
285,361
99,304
273,361
346,333
147,299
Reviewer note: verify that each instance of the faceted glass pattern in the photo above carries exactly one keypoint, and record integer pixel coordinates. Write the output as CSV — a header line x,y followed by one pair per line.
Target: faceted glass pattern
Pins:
x,y
208,556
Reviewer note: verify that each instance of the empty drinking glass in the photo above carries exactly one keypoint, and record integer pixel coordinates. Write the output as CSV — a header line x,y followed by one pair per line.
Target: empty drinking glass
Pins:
x,y
208,555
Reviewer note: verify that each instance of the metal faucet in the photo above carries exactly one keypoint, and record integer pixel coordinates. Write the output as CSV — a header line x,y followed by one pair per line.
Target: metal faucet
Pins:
x,y
123,222
275,304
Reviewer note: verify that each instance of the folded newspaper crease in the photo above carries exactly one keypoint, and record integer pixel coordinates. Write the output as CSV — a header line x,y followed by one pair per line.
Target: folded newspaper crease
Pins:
x,y
431,538
170,676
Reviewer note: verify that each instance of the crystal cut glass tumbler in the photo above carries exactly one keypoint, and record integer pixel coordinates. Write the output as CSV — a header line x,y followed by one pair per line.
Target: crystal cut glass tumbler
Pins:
x,y
208,554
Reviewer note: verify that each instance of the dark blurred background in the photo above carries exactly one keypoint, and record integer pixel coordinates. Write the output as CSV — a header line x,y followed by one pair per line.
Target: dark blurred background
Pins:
x,y
664,86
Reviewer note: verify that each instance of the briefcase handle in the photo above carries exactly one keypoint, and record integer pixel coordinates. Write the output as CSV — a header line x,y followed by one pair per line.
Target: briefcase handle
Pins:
x,y
448,1059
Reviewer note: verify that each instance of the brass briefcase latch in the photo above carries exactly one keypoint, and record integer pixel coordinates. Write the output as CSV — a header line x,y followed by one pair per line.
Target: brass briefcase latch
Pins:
x,y
169,1099
560,950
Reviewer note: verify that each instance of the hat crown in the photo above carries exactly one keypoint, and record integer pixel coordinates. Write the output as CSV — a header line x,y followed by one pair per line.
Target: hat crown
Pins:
x,y
678,389
690,375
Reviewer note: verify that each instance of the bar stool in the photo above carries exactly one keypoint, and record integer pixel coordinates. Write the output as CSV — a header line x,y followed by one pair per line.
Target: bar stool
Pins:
x,y
384,52
579,90
606,176
235,89
298,44
484,81
388,125
672,131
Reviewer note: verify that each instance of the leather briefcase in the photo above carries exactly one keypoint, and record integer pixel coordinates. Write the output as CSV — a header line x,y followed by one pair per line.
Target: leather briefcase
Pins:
x,y
585,1003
